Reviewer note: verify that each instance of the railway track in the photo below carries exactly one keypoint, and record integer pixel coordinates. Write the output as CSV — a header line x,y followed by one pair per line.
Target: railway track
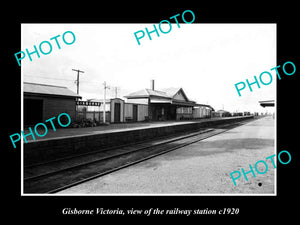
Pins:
x,y
60,174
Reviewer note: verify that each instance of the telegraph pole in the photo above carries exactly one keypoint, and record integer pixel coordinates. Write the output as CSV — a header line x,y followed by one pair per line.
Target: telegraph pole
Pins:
x,y
104,101
77,81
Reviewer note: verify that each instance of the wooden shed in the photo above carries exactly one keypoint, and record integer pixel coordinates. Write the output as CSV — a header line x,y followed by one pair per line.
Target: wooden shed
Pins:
x,y
43,101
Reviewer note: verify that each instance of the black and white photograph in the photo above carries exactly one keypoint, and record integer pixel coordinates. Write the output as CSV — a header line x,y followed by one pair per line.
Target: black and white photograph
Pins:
x,y
182,113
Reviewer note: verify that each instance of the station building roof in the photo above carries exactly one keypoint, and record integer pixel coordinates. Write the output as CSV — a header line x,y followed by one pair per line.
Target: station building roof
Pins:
x,y
166,95
45,89
268,103
146,93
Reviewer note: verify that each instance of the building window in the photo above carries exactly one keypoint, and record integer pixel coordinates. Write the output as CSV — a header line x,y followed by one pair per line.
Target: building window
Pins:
x,y
184,110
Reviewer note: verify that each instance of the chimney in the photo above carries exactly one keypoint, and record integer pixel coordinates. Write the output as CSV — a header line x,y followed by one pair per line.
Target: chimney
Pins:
x,y
152,85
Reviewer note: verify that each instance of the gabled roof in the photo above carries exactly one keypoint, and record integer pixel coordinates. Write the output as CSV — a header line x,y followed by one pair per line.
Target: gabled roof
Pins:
x,y
145,93
173,95
165,93
46,89
171,92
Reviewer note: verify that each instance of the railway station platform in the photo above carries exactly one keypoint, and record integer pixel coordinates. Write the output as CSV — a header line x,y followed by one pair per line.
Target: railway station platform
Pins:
x,y
203,167
71,141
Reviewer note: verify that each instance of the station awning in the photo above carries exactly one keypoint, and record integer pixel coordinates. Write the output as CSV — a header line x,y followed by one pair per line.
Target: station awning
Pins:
x,y
181,103
269,103
160,101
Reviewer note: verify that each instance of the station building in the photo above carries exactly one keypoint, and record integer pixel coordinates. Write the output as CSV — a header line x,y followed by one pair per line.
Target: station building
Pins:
x,y
118,111
168,104
222,113
42,101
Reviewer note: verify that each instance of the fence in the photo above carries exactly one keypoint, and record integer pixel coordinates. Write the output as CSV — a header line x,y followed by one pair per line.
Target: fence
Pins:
x,y
92,115
90,111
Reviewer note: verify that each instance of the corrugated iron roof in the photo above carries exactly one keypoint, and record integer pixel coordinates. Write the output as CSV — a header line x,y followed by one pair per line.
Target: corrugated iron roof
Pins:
x,y
141,93
166,93
158,93
171,92
48,89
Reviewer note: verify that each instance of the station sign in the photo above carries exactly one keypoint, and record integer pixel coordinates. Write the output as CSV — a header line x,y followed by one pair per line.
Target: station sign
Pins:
x,y
87,103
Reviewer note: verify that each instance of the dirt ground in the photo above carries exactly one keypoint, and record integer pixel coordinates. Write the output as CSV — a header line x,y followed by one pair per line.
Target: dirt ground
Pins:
x,y
201,168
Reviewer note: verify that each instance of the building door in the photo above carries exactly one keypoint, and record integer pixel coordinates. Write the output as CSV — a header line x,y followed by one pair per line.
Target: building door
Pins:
x,y
33,111
117,116
134,113
172,112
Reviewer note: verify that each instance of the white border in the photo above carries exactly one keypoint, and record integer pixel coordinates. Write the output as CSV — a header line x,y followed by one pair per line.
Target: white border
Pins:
x,y
22,122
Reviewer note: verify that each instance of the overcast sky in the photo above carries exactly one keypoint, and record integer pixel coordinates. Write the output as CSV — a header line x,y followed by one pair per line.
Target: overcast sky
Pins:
x,y
206,60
